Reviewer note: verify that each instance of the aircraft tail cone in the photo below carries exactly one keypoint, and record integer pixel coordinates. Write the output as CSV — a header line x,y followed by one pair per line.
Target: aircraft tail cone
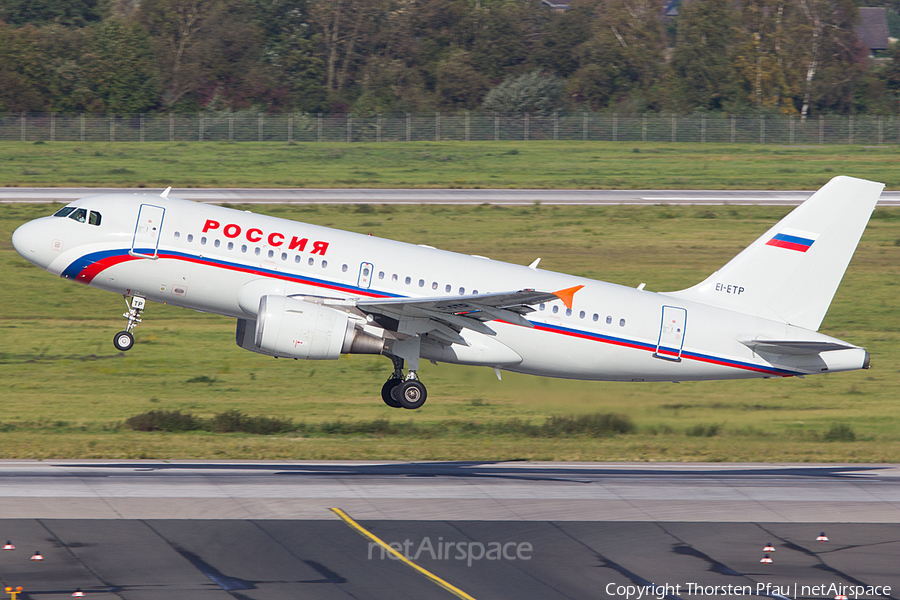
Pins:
x,y
37,556
766,559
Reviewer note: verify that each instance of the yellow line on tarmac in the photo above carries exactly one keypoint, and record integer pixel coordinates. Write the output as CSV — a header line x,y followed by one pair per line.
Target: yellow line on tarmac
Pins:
x,y
368,534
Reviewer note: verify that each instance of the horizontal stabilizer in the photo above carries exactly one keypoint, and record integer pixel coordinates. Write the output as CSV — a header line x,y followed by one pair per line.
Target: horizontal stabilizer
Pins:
x,y
793,346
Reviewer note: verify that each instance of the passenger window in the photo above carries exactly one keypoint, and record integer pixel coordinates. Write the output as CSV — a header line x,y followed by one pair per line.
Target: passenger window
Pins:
x,y
542,306
365,271
581,315
297,259
190,237
256,251
324,263
596,317
177,235
555,309
421,283
271,253
608,319
79,215
94,219
64,211
203,241
408,280
284,256
380,274
434,285
311,261
462,291
344,268
568,312
474,291
394,277
244,248
621,322
217,243
448,288
231,245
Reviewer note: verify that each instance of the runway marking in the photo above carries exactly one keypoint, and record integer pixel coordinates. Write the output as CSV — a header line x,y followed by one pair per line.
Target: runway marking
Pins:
x,y
369,535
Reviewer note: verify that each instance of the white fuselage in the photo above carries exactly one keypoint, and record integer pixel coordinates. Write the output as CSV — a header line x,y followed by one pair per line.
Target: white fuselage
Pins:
x,y
220,260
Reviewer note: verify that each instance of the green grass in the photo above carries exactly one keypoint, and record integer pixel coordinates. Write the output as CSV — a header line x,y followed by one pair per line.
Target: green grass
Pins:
x,y
67,392
612,165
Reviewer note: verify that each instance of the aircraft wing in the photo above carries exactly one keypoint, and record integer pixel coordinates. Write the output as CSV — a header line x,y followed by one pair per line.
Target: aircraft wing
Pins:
x,y
794,346
445,317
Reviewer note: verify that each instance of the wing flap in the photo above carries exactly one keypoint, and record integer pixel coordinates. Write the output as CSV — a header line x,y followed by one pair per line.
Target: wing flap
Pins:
x,y
794,347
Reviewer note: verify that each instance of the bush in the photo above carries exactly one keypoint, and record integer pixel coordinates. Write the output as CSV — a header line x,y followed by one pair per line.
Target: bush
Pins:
x,y
234,421
163,420
594,425
703,431
839,432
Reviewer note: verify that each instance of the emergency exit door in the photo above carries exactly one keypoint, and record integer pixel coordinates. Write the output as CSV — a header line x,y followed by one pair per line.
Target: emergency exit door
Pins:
x,y
147,230
671,333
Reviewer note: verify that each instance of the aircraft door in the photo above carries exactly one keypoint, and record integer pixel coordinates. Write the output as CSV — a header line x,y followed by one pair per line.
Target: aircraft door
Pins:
x,y
365,275
671,333
147,230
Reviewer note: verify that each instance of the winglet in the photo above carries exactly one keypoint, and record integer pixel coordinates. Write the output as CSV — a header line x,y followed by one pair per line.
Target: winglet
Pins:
x,y
165,193
567,294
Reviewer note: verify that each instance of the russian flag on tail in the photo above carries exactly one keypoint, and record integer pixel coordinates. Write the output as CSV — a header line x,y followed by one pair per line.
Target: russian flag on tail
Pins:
x,y
793,239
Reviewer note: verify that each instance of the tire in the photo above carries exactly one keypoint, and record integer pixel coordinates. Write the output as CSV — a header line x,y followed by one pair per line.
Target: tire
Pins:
x,y
410,394
123,341
386,391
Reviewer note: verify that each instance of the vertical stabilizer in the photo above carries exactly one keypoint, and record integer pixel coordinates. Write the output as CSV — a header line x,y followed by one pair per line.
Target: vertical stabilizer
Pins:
x,y
791,273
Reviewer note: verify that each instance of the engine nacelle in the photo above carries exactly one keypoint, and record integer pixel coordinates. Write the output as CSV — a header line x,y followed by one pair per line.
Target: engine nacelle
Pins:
x,y
292,328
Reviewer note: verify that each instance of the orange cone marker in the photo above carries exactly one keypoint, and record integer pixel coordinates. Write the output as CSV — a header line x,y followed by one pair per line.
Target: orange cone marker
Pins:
x,y
765,559
37,556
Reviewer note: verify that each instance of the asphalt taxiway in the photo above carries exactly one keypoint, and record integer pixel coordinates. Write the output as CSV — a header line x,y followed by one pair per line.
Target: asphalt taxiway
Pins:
x,y
438,196
154,529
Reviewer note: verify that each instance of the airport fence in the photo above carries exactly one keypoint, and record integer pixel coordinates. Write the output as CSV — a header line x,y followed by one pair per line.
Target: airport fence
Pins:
x,y
258,127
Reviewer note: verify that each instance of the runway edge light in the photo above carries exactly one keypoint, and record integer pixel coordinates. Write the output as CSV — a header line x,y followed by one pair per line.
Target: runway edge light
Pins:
x,y
766,559
769,548
78,593
37,555
822,537
8,546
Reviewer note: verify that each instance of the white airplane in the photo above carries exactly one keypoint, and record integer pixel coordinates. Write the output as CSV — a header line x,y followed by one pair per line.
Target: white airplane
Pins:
x,y
307,292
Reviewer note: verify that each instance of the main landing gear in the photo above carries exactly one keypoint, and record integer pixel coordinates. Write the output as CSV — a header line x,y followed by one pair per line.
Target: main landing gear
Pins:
x,y
124,340
406,392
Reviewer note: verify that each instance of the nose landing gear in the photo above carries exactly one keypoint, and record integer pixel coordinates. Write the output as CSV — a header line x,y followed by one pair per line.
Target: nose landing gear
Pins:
x,y
124,340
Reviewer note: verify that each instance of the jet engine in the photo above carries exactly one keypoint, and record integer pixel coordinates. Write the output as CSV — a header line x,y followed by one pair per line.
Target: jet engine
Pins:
x,y
291,328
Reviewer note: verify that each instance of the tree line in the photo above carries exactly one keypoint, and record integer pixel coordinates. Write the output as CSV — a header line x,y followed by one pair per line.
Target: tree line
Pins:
x,y
792,57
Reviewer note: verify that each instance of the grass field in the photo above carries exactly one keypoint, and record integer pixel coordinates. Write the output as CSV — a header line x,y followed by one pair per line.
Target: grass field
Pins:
x,y
66,391
443,164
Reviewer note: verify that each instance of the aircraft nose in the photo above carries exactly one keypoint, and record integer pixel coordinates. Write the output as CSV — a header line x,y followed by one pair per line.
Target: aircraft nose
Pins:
x,y
24,240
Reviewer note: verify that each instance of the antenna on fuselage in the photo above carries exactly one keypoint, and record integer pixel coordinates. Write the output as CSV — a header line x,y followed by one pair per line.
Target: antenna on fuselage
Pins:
x,y
165,193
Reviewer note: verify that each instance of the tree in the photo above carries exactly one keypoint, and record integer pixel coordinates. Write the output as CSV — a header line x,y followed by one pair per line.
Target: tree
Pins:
x,y
77,13
532,93
122,70
702,64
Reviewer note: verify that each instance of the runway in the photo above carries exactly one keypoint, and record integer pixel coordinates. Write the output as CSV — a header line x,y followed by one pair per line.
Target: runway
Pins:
x,y
159,529
439,196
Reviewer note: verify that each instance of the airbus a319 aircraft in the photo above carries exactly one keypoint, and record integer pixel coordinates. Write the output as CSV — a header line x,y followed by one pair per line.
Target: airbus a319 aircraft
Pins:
x,y
307,292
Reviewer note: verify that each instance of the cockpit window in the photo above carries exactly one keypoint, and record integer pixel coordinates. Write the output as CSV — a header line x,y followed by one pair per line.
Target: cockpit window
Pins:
x,y
79,215
94,219
64,211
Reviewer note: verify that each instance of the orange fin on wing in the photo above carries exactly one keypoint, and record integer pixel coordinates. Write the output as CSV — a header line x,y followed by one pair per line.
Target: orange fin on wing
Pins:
x,y
567,294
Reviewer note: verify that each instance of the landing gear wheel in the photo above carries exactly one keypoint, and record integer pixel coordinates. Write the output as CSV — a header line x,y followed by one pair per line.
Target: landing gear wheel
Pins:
x,y
387,389
410,394
123,341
